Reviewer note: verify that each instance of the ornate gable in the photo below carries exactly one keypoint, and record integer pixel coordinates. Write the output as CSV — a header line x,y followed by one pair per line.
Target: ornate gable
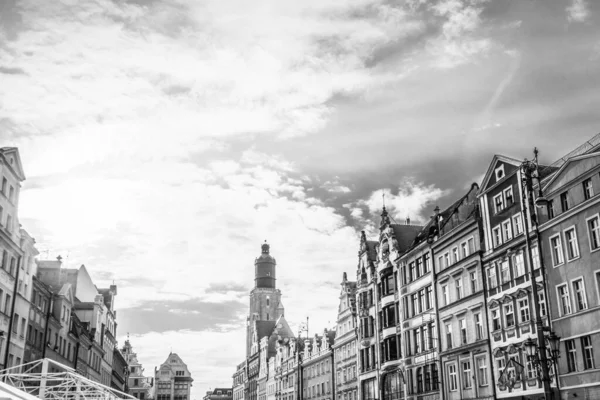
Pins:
x,y
499,168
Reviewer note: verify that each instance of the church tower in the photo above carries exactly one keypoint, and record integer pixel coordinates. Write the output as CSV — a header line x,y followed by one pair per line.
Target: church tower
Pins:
x,y
265,298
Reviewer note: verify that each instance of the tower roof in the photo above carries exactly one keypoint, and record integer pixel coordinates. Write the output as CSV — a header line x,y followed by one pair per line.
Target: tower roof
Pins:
x,y
265,257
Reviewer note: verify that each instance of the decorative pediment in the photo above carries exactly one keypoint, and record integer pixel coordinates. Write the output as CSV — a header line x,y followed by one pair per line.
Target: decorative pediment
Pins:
x,y
507,299
13,161
493,303
499,352
572,170
521,293
499,168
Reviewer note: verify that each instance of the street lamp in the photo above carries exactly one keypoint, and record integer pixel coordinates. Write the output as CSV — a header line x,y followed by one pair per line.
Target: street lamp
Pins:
x,y
537,353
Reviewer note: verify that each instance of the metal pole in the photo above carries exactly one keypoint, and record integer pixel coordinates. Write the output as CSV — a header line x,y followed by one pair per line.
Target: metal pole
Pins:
x,y
526,192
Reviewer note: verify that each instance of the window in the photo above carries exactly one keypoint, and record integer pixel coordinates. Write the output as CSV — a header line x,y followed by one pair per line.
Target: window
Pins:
x,y
455,255
594,232
505,271
518,224
445,296
496,320
542,303
4,185
478,326
535,256
579,293
413,275
448,335
508,196
459,288
427,262
588,190
452,377
464,249
482,376
492,280
571,242
524,310
9,223
564,201
588,352
497,235
564,300
506,231
550,209
571,355
557,251
509,315
447,259
462,323
473,279
519,264
466,375
498,203
268,302
499,172
7,304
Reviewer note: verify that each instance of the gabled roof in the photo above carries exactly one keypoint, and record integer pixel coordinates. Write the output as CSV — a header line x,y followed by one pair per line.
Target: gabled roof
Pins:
x,y
17,166
564,170
492,167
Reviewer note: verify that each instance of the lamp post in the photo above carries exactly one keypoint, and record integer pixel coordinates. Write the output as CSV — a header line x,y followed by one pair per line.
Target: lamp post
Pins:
x,y
537,354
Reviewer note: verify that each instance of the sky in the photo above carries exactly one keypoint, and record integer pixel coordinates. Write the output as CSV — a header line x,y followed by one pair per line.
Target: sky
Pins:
x,y
165,140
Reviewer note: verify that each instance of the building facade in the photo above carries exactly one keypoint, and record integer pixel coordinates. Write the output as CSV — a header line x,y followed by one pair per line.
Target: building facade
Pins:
x,y
508,274
173,380
462,317
346,344
318,376
570,236
137,385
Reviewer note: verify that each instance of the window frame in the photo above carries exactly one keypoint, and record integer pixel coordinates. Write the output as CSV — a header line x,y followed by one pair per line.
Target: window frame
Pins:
x,y
484,369
584,350
587,226
587,194
573,229
497,236
499,196
552,248
518,217
512,197
559,298
507,232
576,301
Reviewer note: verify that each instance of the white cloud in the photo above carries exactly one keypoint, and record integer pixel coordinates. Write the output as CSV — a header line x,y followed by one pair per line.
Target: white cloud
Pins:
x,y
577,11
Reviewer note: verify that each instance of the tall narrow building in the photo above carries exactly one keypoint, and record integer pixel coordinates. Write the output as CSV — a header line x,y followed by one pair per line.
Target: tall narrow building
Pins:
x,y
265,298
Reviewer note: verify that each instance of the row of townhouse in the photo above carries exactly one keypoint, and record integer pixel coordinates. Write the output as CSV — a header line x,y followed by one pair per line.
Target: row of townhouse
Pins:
x,y
445,310
47,311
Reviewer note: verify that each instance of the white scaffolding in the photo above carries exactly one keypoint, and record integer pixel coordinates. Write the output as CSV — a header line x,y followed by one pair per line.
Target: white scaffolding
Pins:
x,y
49,380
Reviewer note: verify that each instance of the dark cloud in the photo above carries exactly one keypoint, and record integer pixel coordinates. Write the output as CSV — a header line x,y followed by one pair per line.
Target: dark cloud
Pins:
x,y
196,315
12,71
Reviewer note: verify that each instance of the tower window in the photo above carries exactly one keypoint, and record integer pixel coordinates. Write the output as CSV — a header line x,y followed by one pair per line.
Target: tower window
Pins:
x,y
268,301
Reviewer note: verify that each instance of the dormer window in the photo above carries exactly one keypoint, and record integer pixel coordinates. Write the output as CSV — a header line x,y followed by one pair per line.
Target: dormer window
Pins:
x,y
499,172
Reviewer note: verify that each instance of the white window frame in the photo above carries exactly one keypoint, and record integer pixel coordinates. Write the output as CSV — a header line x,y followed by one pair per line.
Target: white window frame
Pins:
x,y
589,233
562,253
585,188
452,383
505,307
484,369
501,197
464,249
478,323
460,290
496,311
466,373
517,271
455,255
507,233
497,236
473,278
515,218
586,305
521,308
578,254
504,192
445,294
560,300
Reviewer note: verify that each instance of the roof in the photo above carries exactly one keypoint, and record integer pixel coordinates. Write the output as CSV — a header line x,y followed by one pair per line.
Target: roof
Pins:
x,y
405,235
264,328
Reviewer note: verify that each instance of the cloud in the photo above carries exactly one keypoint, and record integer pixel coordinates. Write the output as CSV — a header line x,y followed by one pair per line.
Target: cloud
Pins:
x,y
12,70
577,11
